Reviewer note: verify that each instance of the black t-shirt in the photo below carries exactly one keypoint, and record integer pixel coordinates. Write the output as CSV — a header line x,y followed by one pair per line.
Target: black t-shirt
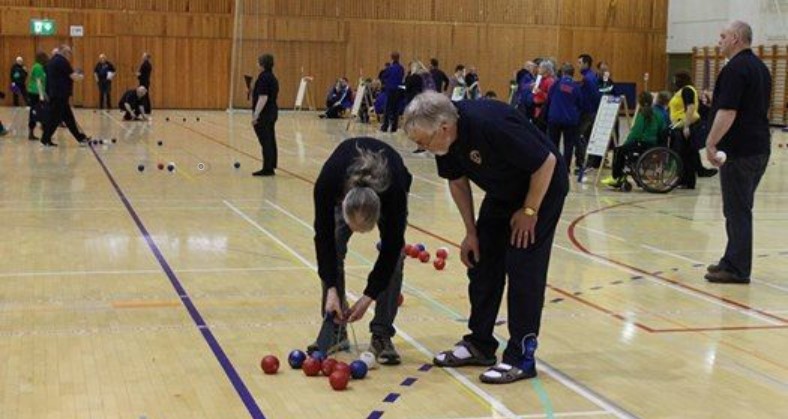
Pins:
x,y
144,77
744,85
18,74
414,85
440,79
330,191
102,69
266,85
498,149
59,83
131,98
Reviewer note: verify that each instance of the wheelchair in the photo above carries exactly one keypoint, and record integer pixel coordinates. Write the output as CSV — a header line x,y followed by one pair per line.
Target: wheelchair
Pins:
x,y
656,170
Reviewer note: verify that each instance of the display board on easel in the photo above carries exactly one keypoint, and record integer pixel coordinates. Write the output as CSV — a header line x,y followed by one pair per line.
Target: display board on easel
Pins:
x,y
304,93
602,132
363,96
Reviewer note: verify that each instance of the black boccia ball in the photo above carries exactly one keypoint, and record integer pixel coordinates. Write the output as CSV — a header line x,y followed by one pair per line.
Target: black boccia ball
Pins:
x,y
237,165
114,140
170,167
141,167
160,143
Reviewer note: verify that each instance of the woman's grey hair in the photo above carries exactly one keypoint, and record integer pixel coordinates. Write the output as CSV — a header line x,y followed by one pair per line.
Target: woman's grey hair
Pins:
x,y
367,177
428,111
547,66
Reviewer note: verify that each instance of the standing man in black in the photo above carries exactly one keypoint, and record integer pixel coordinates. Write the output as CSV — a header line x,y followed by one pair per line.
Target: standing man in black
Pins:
x,y
18,79
265,113
740,111
103,73
60,86
440,78
143,78
525,183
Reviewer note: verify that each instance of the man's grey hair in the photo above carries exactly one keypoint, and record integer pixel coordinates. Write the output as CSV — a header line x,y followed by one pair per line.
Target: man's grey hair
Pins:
x,y
547,66
743,31
428,111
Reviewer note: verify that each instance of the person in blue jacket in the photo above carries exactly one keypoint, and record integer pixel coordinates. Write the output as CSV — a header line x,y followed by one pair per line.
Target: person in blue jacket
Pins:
x,y
339,99
589,86
564,105
392,79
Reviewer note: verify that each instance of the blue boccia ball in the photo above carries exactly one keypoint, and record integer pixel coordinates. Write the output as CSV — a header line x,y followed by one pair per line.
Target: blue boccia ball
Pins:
x,y
358,369
320,356
421,247
296,359
378,246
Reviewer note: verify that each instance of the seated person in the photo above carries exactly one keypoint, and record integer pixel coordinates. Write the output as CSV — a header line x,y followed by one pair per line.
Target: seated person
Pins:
x,y
133,104
647,128
339,99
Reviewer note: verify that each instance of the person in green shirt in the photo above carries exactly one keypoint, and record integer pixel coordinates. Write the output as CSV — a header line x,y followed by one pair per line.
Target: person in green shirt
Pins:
x,y
36,93
646,131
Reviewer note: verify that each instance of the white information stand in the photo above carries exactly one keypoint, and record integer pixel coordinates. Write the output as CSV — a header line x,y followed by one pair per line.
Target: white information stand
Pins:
x,y
362,96
605,121
302,94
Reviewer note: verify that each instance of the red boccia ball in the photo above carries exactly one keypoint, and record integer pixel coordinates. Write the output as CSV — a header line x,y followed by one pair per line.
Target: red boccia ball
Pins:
x,y
311,367
269,364
424,256
339,380
442,253
439,264
328,366
414,252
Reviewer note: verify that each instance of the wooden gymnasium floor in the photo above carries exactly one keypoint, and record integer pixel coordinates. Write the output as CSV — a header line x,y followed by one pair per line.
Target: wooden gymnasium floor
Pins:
x,y
154,295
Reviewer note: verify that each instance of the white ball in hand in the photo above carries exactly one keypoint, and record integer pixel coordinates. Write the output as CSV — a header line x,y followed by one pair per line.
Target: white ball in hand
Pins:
x,y
721,156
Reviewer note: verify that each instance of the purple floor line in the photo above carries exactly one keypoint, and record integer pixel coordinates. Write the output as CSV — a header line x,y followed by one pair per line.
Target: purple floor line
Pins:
x,y
210,339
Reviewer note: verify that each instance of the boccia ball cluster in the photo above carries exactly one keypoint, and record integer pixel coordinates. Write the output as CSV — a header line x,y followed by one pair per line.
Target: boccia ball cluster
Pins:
x,y
339,373
419,251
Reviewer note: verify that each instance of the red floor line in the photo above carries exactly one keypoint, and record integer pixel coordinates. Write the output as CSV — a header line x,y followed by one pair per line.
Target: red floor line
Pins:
x,y
597,307
579,246
719,328
450,242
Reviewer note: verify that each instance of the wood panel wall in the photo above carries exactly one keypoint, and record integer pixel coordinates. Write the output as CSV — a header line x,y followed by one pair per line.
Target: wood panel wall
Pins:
x,y
707,63
352,38
189,40
192,40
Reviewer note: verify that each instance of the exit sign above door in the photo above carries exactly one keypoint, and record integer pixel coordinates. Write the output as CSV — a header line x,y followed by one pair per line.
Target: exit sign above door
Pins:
x,y
42,27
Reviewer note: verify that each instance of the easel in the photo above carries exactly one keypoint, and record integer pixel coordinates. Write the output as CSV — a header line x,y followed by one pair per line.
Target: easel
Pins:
x,y
602,132
363,96
303,91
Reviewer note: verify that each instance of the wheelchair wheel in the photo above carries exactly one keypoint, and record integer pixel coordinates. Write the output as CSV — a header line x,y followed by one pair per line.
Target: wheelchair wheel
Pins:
x,y
658,170
626,187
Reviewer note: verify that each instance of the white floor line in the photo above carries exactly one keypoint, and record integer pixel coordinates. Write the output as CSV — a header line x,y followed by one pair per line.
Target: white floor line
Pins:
x,y
541,415
651,278
499,407
695,261
543,366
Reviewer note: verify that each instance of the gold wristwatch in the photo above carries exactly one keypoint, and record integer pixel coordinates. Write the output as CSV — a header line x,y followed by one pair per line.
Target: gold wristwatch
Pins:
x,y
529,211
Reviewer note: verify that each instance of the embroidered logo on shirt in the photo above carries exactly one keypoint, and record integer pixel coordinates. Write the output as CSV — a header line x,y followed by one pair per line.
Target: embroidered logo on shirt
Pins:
x,y
476,157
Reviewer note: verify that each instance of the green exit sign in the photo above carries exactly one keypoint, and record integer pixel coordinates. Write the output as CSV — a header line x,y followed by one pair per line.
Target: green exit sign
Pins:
x,y
42,27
